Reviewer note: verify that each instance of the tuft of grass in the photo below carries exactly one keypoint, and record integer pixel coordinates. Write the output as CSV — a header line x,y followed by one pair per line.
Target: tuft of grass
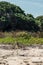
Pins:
x,y
22,40
7,40
21,37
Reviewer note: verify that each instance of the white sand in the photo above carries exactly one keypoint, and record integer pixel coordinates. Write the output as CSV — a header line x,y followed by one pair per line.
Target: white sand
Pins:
x,y
31,56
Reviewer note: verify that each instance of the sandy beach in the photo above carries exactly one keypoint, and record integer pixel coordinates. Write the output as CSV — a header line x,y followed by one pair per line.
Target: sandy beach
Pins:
x,y
28,56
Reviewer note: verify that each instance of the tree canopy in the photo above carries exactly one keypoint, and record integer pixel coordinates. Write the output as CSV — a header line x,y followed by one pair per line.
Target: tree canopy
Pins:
x,y
39,20
12,17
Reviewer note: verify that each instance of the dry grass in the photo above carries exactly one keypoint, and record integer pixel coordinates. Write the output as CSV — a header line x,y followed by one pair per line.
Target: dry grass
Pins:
x,y
21,37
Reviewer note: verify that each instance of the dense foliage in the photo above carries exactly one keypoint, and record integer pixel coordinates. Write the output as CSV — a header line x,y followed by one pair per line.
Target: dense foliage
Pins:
x,y
12,17
39,20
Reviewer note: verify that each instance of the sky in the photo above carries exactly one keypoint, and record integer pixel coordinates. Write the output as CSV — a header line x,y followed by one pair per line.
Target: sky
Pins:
x,y
34,7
